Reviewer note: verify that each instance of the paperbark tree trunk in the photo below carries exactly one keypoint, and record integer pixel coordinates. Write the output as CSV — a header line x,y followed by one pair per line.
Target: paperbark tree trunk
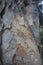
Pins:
x,y
20,39
20,42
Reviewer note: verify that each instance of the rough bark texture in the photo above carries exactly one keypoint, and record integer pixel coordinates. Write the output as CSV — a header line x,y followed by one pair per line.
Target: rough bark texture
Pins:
x,y
20,38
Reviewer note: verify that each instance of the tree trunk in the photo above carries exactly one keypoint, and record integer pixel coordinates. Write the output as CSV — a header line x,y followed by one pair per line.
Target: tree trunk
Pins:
x,y
20,39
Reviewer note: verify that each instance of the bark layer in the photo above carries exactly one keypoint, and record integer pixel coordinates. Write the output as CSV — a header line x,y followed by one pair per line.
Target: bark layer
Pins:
x,y
21,38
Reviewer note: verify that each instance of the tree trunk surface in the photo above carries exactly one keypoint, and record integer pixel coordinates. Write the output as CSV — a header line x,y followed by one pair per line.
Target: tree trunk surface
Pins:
x,y
20,39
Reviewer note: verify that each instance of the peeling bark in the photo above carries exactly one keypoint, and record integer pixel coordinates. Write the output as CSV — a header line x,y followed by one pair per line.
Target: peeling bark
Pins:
x,y
20,34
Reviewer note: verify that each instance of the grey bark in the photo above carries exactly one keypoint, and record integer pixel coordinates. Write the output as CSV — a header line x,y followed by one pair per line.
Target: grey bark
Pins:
x,y
21,36
20,33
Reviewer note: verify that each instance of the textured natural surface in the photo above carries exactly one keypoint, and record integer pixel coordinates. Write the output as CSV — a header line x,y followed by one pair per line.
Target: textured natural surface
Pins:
x,y
19,33
20,38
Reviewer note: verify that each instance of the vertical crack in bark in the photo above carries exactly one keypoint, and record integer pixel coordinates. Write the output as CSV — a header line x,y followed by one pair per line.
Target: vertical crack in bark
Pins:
x,y
1,62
